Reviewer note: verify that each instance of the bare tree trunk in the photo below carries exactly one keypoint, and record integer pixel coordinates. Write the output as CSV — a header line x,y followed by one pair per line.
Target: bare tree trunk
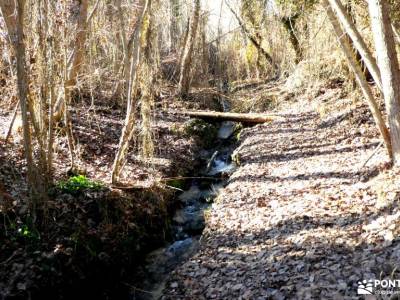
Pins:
x,y
68,127
368,76
129,125
289,23
72,73
186,64
8,12
75,63
360,77
396,33
183,44
15,27
10,128
23,87
50,134
358,41
126,54
218,62
80,40
127,45
174,28
148,69
253,39
389,67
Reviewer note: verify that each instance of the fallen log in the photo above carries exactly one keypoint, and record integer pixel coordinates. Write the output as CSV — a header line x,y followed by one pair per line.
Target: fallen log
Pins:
x,y
249,118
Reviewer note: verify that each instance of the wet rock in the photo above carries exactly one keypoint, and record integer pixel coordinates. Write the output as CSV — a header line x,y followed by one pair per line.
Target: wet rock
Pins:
x,y
197,224
221,167
191,218
204,154
180,217
179,234
209,194
192,195
163,260
226,130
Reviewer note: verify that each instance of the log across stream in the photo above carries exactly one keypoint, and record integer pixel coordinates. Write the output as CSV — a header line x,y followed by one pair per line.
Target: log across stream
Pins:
x,y
248,118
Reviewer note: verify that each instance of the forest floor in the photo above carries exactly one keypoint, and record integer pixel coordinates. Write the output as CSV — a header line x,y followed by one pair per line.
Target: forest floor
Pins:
x,y
97,130
301,218
92,237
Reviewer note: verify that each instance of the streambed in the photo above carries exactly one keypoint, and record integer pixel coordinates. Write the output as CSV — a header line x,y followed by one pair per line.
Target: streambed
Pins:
x,y
188,220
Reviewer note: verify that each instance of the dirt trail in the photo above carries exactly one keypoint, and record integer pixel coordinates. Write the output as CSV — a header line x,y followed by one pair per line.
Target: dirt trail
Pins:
x,y
299,219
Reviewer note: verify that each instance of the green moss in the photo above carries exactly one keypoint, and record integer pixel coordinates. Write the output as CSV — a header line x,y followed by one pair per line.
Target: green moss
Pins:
x,y
237,131
203,130
236,158
175,129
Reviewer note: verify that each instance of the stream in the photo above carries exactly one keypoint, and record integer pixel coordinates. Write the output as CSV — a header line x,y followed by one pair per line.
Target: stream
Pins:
x,y
188,221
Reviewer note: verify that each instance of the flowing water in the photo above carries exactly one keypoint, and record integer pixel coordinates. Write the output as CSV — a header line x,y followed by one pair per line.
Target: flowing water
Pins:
x,y
188,221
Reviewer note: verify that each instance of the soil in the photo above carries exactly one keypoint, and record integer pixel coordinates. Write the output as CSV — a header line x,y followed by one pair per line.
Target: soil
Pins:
x,y
301,218
96,237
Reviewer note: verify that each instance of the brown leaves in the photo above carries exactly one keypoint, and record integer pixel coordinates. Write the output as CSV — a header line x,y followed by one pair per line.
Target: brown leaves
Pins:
x,y
298,220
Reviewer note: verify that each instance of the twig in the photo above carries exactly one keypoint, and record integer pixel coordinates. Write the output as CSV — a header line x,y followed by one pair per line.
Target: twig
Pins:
x,y
137,289
93,11
210,162
12,122
190,177
9,259
143,291
372,155
224,34
174,188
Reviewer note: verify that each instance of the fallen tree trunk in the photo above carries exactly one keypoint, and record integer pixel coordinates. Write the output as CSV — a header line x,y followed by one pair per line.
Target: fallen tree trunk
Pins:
x,y
250,118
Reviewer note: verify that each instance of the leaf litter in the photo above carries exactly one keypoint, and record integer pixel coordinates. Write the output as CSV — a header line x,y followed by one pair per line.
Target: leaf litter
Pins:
x,y
300,218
